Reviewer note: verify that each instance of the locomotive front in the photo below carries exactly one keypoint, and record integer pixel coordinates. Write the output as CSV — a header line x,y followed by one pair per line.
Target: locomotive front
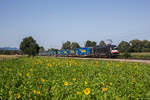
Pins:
x,y
114,51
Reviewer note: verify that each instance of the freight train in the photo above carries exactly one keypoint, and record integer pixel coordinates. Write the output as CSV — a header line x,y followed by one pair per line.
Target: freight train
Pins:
x,y
109,51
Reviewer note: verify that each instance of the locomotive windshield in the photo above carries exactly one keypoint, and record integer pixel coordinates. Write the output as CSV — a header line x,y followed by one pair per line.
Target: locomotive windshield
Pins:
x,y
114,47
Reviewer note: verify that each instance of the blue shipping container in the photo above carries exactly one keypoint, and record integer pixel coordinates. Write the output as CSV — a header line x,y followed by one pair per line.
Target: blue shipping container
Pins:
x,y
83,51
66,52
72,52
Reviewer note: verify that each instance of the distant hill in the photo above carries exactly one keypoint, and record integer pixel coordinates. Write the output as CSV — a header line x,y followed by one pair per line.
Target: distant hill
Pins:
x,y
8,48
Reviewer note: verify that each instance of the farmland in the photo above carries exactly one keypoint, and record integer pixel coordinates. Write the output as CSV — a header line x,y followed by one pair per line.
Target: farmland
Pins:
x,y
62,78
5,57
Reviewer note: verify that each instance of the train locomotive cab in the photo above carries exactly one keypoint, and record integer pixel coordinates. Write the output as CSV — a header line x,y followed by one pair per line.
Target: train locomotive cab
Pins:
x,y
101,51
114,51
109,51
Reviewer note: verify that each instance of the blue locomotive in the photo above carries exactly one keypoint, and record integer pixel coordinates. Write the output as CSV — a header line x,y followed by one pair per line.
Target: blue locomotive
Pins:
x,y
108,51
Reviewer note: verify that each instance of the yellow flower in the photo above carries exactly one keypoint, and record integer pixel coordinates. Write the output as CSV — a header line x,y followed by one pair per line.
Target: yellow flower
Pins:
x,y
78,93
134,80
10,92
137,64
102,83
49,65
66,83
85,82
52,89
38,92
40,86
134,74
87,91
30,69
27,74
6,68
18,96
104,89
20,74
42,80
34,91
117,98
140,75
110,83
74,79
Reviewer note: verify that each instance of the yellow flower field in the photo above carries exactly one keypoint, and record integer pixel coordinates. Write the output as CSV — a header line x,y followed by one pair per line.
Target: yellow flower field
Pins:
x,y
61,78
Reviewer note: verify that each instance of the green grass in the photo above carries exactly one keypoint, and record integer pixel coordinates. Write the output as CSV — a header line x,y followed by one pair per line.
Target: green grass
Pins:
x,y
57,79
139,55
145,55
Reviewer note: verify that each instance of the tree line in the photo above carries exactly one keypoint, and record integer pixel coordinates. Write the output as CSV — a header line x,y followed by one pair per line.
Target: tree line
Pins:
x,y
134,45
9,52
88,43
29,46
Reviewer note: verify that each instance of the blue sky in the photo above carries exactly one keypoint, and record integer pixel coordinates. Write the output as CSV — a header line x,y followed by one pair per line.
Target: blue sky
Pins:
x,y
52,22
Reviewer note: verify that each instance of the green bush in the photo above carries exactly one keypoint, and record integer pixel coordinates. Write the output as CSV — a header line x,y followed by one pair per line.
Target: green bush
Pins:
x,y
126,55
146,50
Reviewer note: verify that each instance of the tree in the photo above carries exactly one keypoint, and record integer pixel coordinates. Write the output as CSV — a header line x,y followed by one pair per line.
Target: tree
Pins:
x,y
124,46
102,43
136,45
146,44
29,46
66,45
90,43
41,49
53,49
74,45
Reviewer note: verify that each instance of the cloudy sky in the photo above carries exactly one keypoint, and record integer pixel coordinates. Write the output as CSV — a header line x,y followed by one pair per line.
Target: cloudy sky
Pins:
x,y
52,22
